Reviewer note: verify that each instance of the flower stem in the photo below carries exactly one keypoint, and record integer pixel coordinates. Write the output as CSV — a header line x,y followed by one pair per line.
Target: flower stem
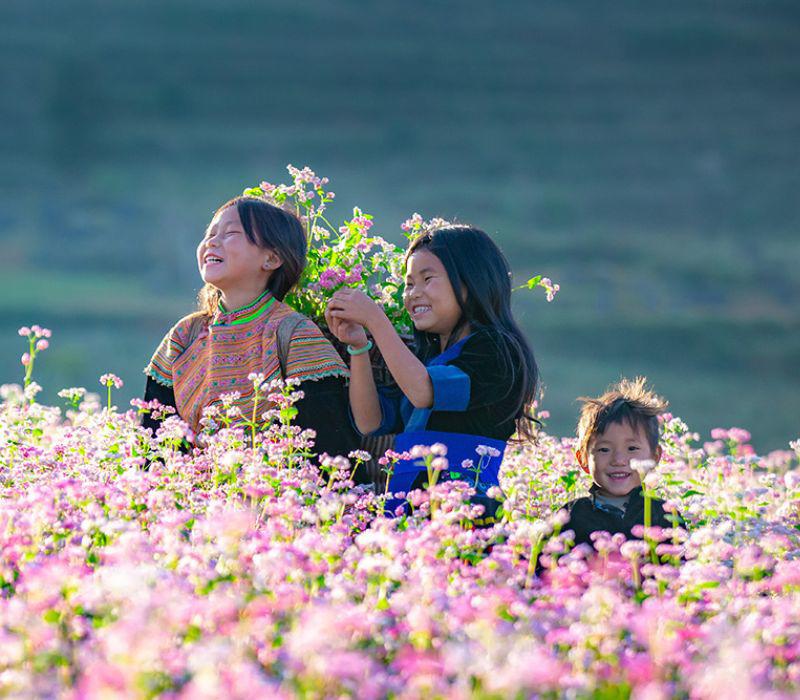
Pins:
x,y
533,559
29,368
648,521
253,423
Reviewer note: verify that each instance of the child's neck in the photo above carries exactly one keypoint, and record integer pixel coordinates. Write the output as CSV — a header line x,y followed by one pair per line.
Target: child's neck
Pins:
x,y
445,337
600,491
233,299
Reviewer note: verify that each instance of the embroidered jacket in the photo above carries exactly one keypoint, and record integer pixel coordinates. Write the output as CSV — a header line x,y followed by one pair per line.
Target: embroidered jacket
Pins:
x,y
200,363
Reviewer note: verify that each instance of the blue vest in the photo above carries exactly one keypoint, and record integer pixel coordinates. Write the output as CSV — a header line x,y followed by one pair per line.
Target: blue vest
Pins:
x,y
460,446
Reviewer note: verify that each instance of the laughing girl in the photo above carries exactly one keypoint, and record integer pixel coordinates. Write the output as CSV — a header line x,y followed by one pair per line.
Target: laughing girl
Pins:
x,y
252,254
473,375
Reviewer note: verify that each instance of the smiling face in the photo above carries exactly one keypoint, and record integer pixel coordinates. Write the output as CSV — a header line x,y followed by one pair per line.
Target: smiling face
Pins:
x,y
429,296
228,260
610,454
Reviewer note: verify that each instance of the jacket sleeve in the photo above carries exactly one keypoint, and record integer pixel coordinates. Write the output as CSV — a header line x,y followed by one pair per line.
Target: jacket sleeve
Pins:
x,y
165,396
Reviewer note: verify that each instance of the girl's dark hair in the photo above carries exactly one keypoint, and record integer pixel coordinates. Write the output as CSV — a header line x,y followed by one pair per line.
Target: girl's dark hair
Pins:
x,y
481,280
267,226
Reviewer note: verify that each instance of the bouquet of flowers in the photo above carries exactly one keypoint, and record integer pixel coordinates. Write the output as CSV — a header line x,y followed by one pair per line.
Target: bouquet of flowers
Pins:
x,y
350,255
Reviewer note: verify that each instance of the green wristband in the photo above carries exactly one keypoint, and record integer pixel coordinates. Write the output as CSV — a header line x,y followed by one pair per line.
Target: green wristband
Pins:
x,y
359,351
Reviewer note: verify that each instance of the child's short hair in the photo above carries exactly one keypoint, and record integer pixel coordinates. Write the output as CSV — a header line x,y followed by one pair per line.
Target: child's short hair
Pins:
x,y
627,401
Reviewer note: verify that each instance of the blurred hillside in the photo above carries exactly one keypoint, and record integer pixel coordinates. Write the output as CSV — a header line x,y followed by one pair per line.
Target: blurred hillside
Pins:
x,y
645,156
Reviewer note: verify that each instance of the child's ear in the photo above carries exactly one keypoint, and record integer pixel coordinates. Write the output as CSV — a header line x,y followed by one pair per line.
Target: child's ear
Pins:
x,y
272,261
580,455
657,454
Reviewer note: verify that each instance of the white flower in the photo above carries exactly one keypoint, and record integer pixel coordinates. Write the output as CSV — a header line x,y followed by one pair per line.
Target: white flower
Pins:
x,y
642,467
439,449
233,458
31,390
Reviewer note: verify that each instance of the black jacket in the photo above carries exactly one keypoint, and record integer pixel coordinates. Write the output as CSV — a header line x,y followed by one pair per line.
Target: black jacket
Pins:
x,y
587,516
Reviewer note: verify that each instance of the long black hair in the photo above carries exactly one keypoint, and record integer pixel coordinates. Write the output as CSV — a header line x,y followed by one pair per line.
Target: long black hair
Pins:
x,y
481,279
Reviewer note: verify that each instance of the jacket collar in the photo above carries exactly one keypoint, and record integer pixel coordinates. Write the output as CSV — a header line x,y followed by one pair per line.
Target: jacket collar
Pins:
x,y
244,314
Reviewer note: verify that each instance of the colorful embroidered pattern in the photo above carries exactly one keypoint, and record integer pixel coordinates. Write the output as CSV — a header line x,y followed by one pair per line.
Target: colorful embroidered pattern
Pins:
x,y
201,361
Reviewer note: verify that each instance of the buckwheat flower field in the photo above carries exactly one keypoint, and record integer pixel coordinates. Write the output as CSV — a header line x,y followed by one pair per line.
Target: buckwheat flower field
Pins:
x,y
245,569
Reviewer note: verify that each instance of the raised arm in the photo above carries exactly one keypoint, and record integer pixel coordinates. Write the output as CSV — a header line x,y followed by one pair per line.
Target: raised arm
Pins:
x,y
355,307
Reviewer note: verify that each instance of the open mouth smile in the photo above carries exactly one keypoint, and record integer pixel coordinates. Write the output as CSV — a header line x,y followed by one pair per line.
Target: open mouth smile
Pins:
x,y
420,309
619,475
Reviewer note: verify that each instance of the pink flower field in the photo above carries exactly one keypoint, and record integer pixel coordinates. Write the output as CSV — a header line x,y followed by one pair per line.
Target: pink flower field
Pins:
x,y
241,571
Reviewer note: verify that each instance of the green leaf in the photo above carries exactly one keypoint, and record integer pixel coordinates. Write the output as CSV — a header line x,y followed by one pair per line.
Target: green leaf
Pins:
x,y
193,633
569,479
533,282
289,413
51,617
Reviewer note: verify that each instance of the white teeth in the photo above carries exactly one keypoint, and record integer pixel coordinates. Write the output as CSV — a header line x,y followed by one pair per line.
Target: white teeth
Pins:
x,y
420,309
213,259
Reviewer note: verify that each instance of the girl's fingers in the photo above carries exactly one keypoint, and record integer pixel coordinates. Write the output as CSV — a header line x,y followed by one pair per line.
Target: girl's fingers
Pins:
x,y
334,324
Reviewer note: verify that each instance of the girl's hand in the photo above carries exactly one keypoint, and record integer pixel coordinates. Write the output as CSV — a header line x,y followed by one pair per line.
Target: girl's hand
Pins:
x,y
354,306
346,331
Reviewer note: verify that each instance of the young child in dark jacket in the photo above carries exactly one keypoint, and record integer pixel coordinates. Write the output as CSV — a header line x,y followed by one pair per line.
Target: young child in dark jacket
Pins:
x,y
618,440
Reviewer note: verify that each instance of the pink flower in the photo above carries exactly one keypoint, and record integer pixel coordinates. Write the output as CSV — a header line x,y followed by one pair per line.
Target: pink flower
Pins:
x,y
439,463
332,277
418,451
739,435
42,344
484,450
439,449
24,331
550,289
355,275
791,479
111,380
25,359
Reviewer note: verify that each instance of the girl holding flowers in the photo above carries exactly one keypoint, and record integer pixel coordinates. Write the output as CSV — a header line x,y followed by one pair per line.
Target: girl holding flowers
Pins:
x,y
472,376
252,254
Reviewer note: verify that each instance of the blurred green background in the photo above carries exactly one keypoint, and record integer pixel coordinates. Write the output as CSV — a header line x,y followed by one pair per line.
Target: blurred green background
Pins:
x,y
646,156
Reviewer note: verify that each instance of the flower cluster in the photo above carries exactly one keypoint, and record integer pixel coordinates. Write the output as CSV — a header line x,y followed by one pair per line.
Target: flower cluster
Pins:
x,y
132,567
350,254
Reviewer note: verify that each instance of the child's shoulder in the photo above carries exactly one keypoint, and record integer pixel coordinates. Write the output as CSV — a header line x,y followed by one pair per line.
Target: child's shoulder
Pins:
x,y
484,341
188,327
577,504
